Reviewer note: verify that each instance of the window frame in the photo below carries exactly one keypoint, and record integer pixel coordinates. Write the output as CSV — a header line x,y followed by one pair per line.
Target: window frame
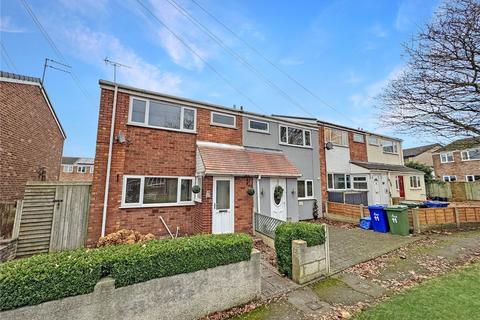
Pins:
x,y
394,146
353,182
294,145
212,123
358,135
140,204
473,177
347,181
83,167
467,152
70,166
377,140
249,128
417,183
92,168
446,157
449,178
147,111
343,134
305,183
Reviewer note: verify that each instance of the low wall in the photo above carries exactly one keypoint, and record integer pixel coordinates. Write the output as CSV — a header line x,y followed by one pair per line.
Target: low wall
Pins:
x,y
183,296
8,249
310,263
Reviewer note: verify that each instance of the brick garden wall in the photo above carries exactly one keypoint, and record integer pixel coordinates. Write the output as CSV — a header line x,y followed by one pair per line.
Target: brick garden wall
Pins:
x,y
29,139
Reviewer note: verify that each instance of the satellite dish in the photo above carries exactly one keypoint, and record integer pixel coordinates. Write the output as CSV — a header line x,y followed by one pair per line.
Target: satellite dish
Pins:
x,y
329,146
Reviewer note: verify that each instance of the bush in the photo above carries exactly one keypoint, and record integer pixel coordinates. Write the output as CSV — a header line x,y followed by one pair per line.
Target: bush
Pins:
x,y
58,275
124,236
313,234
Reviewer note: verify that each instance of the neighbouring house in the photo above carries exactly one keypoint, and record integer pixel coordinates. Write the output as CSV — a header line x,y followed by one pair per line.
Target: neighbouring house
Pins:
x,y
421,154
162,148
458,161
31,136
77,169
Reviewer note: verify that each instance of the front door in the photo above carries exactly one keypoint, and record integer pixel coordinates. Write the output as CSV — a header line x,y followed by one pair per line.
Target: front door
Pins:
x,y
380,189
278,190
223,205
401,186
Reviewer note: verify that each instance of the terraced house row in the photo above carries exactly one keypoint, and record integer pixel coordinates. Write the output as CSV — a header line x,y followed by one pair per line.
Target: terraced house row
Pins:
x,y
166,164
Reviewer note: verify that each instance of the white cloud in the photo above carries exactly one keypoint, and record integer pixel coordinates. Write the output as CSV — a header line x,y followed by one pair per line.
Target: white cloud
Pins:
x,y
291,61
7,25
378,31
366,96
93,47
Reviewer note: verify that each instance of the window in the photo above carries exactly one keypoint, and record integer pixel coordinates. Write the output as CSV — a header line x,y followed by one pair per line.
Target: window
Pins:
x,y
360,183
336,136
473,154
373,140
68,168
258,126
295,136
199,182
91,169
449,178
82,169
472,178
224,120
397,183
389,146
338,181
163,115
143,191
305,189
415,182
446,157
357,137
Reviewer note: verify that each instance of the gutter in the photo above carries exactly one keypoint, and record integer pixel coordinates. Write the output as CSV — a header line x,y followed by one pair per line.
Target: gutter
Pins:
x,y
109,162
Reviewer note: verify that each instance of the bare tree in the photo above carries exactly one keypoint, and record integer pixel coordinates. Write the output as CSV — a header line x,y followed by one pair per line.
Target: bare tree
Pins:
x,y
438,93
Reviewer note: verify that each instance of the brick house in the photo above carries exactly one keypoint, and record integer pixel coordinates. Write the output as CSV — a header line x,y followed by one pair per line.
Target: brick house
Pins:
x,y
31,136
421,154
163,147
458,161
77,169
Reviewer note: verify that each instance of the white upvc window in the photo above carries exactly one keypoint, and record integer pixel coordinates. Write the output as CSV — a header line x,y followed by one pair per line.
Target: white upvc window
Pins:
x,y
336,136
305,189
223,120
472,154
397,183
68,168
82,169
446,157
156,191
295,137
389,146
162,115
258,126
472,178
338,181
449,178
358,137
415,182
91,169
373,140
359,183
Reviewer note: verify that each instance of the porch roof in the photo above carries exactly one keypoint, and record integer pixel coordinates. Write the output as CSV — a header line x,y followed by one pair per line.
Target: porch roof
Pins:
x,y
386,167
220,159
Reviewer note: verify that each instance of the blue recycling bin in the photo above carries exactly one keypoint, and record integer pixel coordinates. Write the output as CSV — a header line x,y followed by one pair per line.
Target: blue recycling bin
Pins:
x,y
366,223
379,218
436,204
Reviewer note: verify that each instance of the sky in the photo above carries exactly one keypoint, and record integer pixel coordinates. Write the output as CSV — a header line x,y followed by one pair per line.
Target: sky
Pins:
x,y
344,52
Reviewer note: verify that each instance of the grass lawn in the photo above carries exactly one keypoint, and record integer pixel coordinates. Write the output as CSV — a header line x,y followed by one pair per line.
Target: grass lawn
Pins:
x,y
452,296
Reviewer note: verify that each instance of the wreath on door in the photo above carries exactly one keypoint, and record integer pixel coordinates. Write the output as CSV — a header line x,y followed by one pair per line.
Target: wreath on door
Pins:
x,y
277,194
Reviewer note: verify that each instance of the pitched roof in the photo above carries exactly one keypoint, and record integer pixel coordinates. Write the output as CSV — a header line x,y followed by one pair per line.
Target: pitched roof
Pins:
x,y
413,152
77,160
386,167
461,144
244,161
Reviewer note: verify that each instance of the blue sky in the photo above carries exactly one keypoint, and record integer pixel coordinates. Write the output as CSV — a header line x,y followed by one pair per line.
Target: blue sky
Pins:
x,y
343,51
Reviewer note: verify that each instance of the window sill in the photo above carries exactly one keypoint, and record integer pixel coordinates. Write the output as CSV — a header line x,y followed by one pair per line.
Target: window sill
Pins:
x,y
294,145
160,128
394,153
140,206
415,188
258,131
223,126
305,199
470,160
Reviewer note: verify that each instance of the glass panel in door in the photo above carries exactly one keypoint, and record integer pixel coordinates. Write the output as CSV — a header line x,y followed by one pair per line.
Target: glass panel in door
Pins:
x,y
223,195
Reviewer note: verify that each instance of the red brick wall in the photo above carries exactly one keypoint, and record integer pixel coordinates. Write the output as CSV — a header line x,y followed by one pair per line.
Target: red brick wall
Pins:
x,y
358,150
457,168
75,176
243,205
207,132
29,139
323,165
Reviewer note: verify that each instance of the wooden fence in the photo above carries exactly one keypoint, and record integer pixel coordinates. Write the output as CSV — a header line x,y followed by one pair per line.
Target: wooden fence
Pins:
x,y
7,217
420,219
454,191
52,216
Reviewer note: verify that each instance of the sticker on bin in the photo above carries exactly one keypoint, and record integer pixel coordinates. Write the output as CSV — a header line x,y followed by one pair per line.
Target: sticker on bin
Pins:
x,y
376,216
394,219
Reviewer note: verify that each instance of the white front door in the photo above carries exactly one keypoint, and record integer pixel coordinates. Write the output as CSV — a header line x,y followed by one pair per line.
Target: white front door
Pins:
x,y
223,205
380,189
278,201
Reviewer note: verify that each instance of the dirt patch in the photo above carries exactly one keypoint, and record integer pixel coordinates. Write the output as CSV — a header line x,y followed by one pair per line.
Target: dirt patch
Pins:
x,y
339,224
268,254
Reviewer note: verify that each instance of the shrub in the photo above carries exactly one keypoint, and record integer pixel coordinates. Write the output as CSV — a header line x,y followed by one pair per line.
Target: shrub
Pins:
x,y
312,233
58,275
124,236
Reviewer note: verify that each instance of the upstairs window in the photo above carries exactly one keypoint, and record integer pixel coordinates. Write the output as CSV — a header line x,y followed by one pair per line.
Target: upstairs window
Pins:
x,y
223,120
472,178
158,114
449,178
337,137
68,168
472,154
357,137
258,126
82,169
295,136
446,157
373,140
389,146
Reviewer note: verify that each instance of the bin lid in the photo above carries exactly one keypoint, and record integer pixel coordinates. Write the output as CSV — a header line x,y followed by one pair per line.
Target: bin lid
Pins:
x,y
377,206
397,207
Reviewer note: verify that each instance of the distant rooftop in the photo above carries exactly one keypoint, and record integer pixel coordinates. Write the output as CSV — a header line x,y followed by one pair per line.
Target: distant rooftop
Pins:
x,y
413,152
4,74
462,144
77,160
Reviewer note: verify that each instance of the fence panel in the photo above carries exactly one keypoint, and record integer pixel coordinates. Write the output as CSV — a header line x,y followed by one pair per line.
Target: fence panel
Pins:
x,y
266,225
7,218
455,191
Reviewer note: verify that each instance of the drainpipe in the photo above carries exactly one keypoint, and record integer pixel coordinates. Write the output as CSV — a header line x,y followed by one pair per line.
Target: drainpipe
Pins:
x,y
109,162
258,193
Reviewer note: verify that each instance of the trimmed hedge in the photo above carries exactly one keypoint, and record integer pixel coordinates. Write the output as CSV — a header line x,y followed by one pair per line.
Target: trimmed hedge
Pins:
x,y
58,275
312,233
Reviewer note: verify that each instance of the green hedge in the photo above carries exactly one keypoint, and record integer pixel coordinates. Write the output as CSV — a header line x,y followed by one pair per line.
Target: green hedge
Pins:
x,y
313,234
54,276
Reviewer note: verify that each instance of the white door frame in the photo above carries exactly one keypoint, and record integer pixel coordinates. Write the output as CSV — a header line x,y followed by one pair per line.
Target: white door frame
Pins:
x,y
223,221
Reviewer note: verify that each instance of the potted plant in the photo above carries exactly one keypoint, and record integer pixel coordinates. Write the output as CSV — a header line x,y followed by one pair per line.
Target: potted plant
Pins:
x,y
196,189
250,191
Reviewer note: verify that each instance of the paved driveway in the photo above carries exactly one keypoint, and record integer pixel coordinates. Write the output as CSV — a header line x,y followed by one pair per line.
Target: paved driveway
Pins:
x,y
349,247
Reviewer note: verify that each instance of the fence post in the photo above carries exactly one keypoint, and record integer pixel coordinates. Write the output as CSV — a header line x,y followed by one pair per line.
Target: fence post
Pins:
x,y
416,221
326,209
327,249
18,219
457,217
361,210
